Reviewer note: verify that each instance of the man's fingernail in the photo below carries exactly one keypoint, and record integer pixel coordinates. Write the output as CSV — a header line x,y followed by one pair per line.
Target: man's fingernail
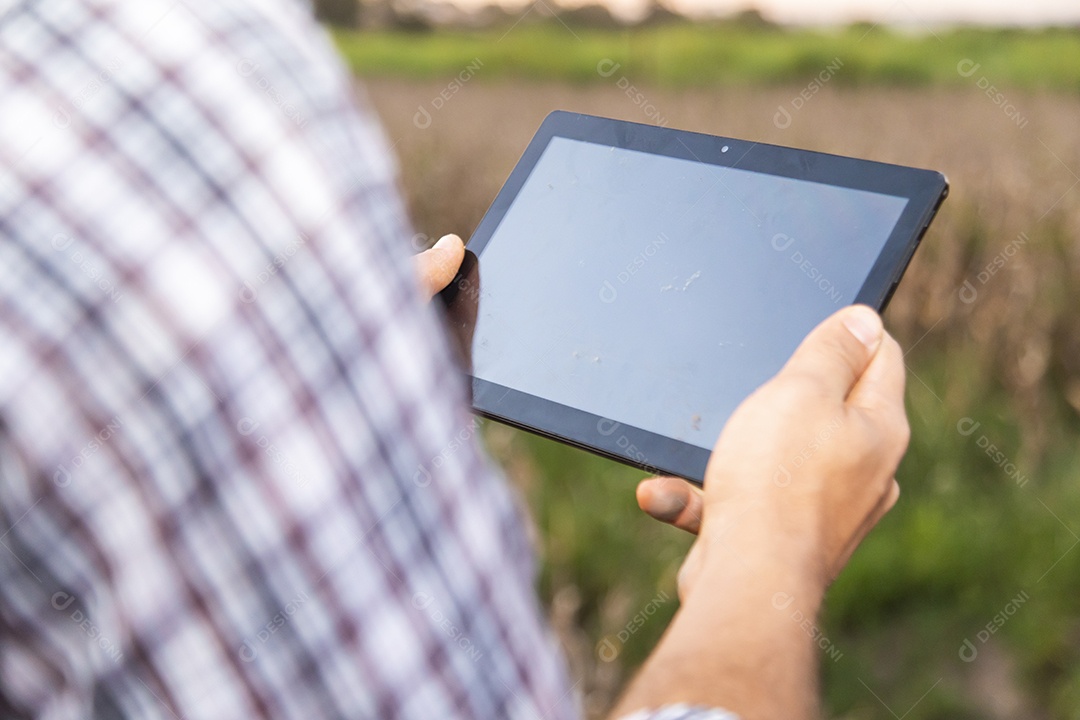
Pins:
x,y
864,324
446,241
666,506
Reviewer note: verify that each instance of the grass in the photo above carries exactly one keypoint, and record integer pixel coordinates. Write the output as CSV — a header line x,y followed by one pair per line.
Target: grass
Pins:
x,y
690,55
966,539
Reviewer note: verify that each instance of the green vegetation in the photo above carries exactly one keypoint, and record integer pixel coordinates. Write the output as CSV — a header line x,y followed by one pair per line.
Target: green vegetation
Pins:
x,y
986,536
690,55
966,545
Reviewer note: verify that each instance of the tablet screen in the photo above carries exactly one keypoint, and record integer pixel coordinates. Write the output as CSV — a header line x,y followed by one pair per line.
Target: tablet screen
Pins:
x,y
662,291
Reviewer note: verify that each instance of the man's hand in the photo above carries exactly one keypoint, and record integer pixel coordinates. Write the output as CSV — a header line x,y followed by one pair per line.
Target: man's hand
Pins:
x,y
801,473
436,266
815,448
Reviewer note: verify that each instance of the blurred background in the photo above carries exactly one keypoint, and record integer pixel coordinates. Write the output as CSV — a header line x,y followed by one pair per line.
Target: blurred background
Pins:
x,y
965,602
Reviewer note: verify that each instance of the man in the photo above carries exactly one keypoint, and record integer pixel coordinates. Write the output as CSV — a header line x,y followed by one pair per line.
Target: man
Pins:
x,y
219,380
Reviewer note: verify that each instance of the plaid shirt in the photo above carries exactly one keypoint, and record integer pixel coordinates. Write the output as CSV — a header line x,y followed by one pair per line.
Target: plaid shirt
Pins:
x,y
237,475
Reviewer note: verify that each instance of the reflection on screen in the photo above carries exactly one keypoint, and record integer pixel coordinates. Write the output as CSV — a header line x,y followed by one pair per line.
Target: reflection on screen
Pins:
x,y
660,292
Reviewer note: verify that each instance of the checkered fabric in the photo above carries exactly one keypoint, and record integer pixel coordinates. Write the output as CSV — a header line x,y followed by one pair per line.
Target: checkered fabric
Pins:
x,y
237,475
682,712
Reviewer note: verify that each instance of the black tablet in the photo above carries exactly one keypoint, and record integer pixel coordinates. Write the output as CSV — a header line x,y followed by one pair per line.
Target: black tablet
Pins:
x,y
631,284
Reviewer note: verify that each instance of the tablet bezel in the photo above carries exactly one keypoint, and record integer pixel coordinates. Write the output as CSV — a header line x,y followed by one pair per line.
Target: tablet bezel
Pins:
x,y
924,189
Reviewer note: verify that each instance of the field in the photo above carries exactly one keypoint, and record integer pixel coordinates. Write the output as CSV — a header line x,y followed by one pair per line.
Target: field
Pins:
x,y
690,55
965,602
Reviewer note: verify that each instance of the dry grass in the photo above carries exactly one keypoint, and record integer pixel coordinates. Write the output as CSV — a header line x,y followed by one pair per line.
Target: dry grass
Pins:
x,y
940,568
1005,181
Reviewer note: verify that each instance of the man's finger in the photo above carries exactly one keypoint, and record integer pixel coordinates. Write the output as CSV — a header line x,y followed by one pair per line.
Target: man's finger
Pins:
x,y
881,386
437,266
672,501
837,352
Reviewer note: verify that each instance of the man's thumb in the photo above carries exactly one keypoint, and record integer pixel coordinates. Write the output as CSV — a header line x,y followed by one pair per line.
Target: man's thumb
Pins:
x,y
838,351
437,265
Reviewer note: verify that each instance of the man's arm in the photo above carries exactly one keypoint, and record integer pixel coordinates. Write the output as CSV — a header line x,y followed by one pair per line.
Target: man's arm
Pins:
x,y
801,473
732,645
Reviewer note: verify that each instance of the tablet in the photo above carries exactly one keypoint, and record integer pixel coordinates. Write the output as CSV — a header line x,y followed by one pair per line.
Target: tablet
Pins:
x,y
631,285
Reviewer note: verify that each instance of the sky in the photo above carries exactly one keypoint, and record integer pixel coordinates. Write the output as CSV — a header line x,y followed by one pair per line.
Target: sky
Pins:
x,y
899,12
909,11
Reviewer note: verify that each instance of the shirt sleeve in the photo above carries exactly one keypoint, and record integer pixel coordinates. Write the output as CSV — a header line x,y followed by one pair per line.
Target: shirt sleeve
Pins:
x,y
682,712
240,479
